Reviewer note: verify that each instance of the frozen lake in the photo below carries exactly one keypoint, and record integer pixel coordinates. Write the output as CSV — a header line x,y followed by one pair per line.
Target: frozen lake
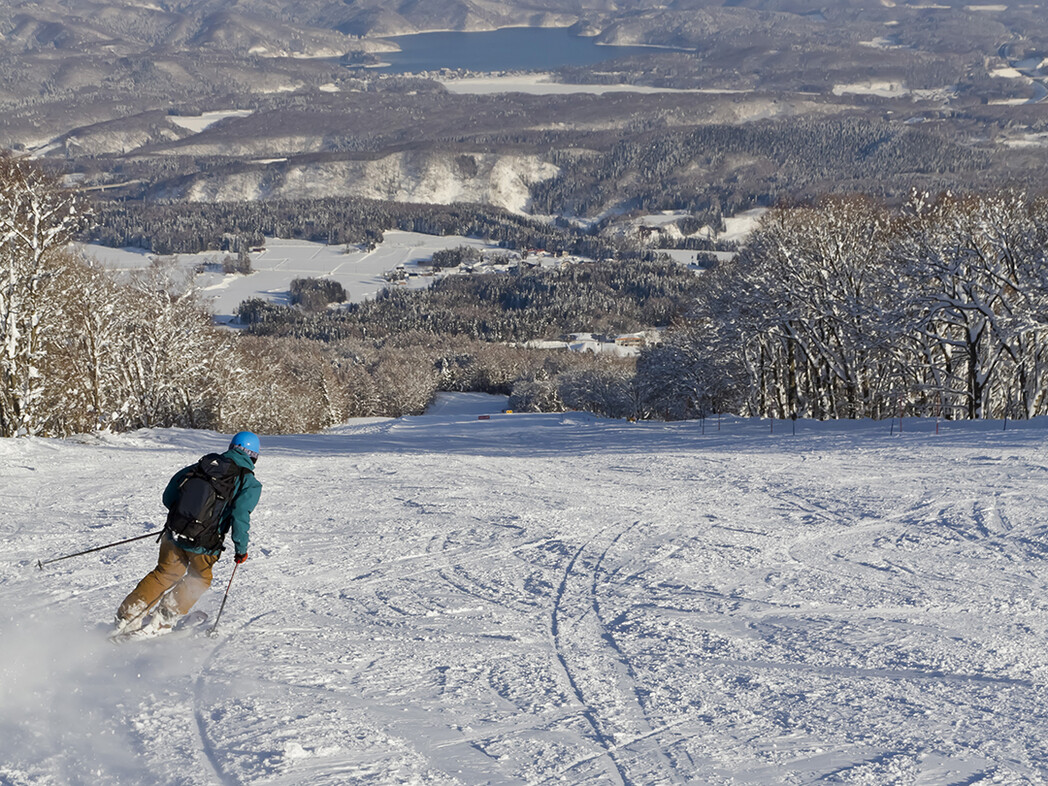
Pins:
x,y
509,49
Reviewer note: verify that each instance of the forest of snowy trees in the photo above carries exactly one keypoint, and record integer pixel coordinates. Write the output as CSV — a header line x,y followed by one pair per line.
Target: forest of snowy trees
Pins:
x,y
849,308
842,308
612,296
81,352
188,228
84,351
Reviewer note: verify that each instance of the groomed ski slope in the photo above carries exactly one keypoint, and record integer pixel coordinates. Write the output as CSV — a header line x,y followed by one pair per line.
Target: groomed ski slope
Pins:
x,y
533,599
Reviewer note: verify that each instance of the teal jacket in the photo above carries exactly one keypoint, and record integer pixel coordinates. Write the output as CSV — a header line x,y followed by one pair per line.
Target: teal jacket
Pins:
x,y
237,515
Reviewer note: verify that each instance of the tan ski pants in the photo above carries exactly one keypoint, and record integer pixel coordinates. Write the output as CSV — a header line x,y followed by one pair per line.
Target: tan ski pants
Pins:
x,y
186,574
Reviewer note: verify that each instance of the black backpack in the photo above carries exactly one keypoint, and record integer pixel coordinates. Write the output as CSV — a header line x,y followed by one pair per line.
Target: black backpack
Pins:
x,y
202,498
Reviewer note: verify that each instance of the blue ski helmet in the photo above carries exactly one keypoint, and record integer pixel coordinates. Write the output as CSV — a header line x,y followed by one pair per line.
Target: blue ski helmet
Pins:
x,y
248,443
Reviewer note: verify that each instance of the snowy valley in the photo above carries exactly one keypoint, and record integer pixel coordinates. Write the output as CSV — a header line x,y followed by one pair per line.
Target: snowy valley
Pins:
x,y
471,597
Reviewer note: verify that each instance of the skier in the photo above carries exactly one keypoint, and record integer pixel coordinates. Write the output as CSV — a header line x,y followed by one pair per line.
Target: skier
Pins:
x,y
183,569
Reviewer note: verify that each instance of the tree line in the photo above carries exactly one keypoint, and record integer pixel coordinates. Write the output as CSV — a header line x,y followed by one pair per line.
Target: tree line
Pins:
x,y
841,308
83,351
850,308
612,296
655,170
189,228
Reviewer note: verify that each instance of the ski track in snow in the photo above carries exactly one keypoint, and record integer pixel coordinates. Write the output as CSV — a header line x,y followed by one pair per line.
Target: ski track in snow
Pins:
x,y
538,599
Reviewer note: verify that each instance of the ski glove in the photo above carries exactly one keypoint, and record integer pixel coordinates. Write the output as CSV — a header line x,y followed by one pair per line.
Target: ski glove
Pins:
x,y
240,558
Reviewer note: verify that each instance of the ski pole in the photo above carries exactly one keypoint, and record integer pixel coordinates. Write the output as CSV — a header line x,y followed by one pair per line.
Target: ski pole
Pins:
x,y
40,563
220,608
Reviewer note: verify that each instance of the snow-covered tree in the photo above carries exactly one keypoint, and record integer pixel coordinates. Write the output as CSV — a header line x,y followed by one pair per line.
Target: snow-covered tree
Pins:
x,y
979,271
606,391
174,357
814,308
688,375
850,309
536,392
86,350
37,220
407,379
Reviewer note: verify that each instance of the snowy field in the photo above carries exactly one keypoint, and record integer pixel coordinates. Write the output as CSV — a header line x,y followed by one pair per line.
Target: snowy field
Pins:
x,y
534,599
543,84
359,271
203,121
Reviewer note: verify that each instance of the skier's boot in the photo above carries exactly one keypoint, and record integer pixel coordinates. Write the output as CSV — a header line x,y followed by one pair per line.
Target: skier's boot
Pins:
x,y
134,620
164,618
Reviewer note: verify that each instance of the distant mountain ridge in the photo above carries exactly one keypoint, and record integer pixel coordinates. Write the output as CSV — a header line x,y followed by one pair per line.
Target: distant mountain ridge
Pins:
x,y
316,28
259,99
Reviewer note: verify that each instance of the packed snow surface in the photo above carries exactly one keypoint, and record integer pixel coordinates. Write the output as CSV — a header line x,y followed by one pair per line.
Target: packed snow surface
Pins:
x,y
474,596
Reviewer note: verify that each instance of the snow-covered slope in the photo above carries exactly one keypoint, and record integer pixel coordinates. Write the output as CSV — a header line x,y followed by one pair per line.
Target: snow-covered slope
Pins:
x,y
545,598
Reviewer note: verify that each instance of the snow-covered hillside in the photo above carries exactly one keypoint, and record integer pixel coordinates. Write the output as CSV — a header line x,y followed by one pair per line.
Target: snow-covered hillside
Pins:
x,y
545,599
415,176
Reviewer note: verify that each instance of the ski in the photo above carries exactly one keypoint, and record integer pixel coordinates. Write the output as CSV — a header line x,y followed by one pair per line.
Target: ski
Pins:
x,y
191,623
